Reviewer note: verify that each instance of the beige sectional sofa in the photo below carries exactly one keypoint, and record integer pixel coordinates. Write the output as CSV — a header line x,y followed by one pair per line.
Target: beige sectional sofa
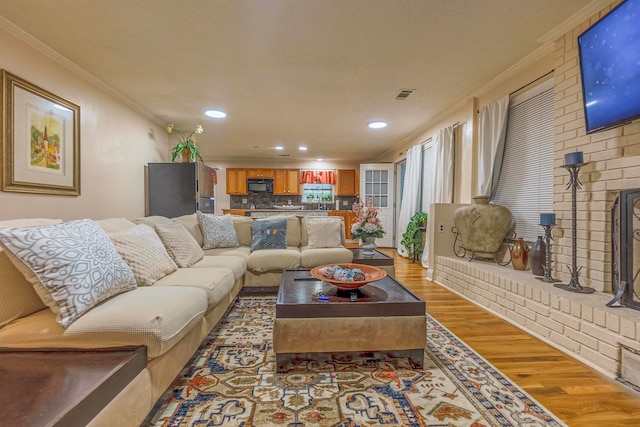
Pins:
x,y
170,316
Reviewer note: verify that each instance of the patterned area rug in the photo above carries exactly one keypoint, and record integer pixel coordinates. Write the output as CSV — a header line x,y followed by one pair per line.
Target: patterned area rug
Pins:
x,y
232,382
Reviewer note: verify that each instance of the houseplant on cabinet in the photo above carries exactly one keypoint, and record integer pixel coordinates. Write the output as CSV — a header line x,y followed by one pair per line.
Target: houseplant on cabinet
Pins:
x,y
186,146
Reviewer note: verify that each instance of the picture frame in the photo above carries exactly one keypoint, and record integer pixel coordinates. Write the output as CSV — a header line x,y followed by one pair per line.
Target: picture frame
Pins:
x,y
40,135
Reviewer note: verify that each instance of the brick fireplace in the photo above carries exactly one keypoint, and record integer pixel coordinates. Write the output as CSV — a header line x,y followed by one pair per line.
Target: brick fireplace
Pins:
x,y
625,246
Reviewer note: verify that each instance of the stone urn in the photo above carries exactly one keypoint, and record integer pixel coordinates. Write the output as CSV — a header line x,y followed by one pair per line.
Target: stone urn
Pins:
x,y
482,227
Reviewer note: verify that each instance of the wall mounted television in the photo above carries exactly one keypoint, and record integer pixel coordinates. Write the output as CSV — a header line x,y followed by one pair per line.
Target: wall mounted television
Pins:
x,y
610,68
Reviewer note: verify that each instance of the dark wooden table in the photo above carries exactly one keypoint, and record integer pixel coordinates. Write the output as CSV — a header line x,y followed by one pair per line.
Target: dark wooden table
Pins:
x,y
386,316
63,387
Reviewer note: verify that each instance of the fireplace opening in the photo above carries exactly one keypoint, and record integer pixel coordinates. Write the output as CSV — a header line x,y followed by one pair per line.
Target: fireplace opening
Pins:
x,y
625,243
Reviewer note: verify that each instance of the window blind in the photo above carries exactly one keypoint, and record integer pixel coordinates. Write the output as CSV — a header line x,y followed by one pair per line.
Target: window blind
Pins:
x,y
525,185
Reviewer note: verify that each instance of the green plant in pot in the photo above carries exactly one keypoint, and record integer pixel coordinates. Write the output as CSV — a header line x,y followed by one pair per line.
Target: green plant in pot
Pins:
x,y
412,237
186,147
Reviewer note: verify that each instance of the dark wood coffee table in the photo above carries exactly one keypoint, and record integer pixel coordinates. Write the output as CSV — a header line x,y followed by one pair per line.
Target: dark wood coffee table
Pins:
x,y
378,259
386,318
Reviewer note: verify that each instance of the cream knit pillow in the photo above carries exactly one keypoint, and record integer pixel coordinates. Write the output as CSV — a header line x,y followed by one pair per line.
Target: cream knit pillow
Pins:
x,y
144,253
180,244
324,232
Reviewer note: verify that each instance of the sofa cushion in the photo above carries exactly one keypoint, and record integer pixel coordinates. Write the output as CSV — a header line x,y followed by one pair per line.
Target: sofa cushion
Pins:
x,y
144,253
153,220
18,298
240,251
181,246
111,225
217,282
238,265
242,224
268,234
274,259
79,268
324,232
217,231
144,316
310,257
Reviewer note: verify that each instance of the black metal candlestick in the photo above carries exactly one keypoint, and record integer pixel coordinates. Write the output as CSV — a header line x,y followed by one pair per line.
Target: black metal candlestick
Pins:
x,y
574,183
548,266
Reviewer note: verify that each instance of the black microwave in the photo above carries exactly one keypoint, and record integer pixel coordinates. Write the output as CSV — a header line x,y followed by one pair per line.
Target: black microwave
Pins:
x,y
260,185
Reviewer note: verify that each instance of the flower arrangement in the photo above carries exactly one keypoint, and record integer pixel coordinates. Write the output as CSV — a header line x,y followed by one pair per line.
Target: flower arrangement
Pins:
x,y
367,224
187,144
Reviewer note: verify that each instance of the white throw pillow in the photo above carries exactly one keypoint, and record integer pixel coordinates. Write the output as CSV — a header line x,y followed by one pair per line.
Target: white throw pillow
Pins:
x,y
324,232
144,253
217,231
73,266
180,244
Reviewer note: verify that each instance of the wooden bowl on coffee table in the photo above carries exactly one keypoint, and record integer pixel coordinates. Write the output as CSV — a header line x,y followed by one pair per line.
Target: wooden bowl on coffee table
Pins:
x,y
371,274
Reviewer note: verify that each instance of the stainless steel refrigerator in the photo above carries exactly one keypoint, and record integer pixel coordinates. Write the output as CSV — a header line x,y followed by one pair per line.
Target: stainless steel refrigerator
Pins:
x,y
175,189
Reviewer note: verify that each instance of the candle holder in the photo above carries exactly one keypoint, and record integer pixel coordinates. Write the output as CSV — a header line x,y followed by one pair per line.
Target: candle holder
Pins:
x,y
574,183
548,266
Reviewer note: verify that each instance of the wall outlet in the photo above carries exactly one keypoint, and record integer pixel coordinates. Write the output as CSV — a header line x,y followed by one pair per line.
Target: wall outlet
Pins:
x,y
289,202
244,200
440,228
345,202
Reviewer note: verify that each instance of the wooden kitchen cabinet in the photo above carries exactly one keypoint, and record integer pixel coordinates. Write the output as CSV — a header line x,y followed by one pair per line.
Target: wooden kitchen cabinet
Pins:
x,y
347,182
348,217
260,173
236,181
286,181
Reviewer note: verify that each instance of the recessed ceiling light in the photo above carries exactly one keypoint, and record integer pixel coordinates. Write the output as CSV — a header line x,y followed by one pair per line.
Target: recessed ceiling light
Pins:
x,y
302,148
279,147
216,114
378,124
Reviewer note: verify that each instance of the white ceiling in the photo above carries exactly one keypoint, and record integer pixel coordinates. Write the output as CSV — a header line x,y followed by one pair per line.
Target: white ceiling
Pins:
x,y
292,72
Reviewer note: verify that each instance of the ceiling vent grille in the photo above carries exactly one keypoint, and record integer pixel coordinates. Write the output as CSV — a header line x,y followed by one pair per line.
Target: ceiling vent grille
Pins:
x,y
404,94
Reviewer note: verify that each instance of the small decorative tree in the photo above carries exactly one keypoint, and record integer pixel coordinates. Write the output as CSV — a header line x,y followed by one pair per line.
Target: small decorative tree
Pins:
x,y
412,237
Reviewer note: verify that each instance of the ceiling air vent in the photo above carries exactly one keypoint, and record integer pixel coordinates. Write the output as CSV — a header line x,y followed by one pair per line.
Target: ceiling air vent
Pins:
x,y
404,94
283,155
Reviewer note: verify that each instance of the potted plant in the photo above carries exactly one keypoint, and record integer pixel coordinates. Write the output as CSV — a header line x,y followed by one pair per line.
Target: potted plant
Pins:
x,y
186,147
412,237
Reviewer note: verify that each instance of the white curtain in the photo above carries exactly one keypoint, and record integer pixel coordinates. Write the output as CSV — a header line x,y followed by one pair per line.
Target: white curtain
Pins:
x,y
442,182
410,193
443,166
492,133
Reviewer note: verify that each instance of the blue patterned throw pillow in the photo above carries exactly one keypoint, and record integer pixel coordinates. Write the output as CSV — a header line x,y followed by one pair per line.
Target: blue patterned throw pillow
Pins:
x,y
73,266
268,234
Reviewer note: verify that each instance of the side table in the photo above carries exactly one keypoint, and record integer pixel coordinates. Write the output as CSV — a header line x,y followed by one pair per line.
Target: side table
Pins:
x,y
63,387
378,259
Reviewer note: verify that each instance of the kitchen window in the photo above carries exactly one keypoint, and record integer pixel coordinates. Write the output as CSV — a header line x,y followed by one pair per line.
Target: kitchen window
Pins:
x,y
317,193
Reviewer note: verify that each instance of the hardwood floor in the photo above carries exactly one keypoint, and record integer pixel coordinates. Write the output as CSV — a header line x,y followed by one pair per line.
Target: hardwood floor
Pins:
x,y
577,394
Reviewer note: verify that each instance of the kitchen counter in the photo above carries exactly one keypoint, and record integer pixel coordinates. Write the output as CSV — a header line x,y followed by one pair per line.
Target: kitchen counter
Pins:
x,y
347,215
261,213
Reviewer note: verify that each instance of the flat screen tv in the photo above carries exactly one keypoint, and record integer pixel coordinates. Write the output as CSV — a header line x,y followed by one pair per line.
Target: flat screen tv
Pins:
x,y
610,68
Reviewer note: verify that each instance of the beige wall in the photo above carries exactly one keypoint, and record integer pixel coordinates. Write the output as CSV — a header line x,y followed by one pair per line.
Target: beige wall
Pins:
x,y
116,142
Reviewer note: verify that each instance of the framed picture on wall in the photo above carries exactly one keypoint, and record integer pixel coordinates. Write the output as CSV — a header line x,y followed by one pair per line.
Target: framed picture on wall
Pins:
x,y
40,134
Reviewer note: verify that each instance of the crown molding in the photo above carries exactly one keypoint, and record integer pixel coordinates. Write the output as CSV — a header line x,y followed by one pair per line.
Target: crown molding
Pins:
x,y
41,47
578,18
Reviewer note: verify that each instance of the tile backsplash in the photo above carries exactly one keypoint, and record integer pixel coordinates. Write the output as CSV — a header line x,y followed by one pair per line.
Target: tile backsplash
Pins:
x,y
268,200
